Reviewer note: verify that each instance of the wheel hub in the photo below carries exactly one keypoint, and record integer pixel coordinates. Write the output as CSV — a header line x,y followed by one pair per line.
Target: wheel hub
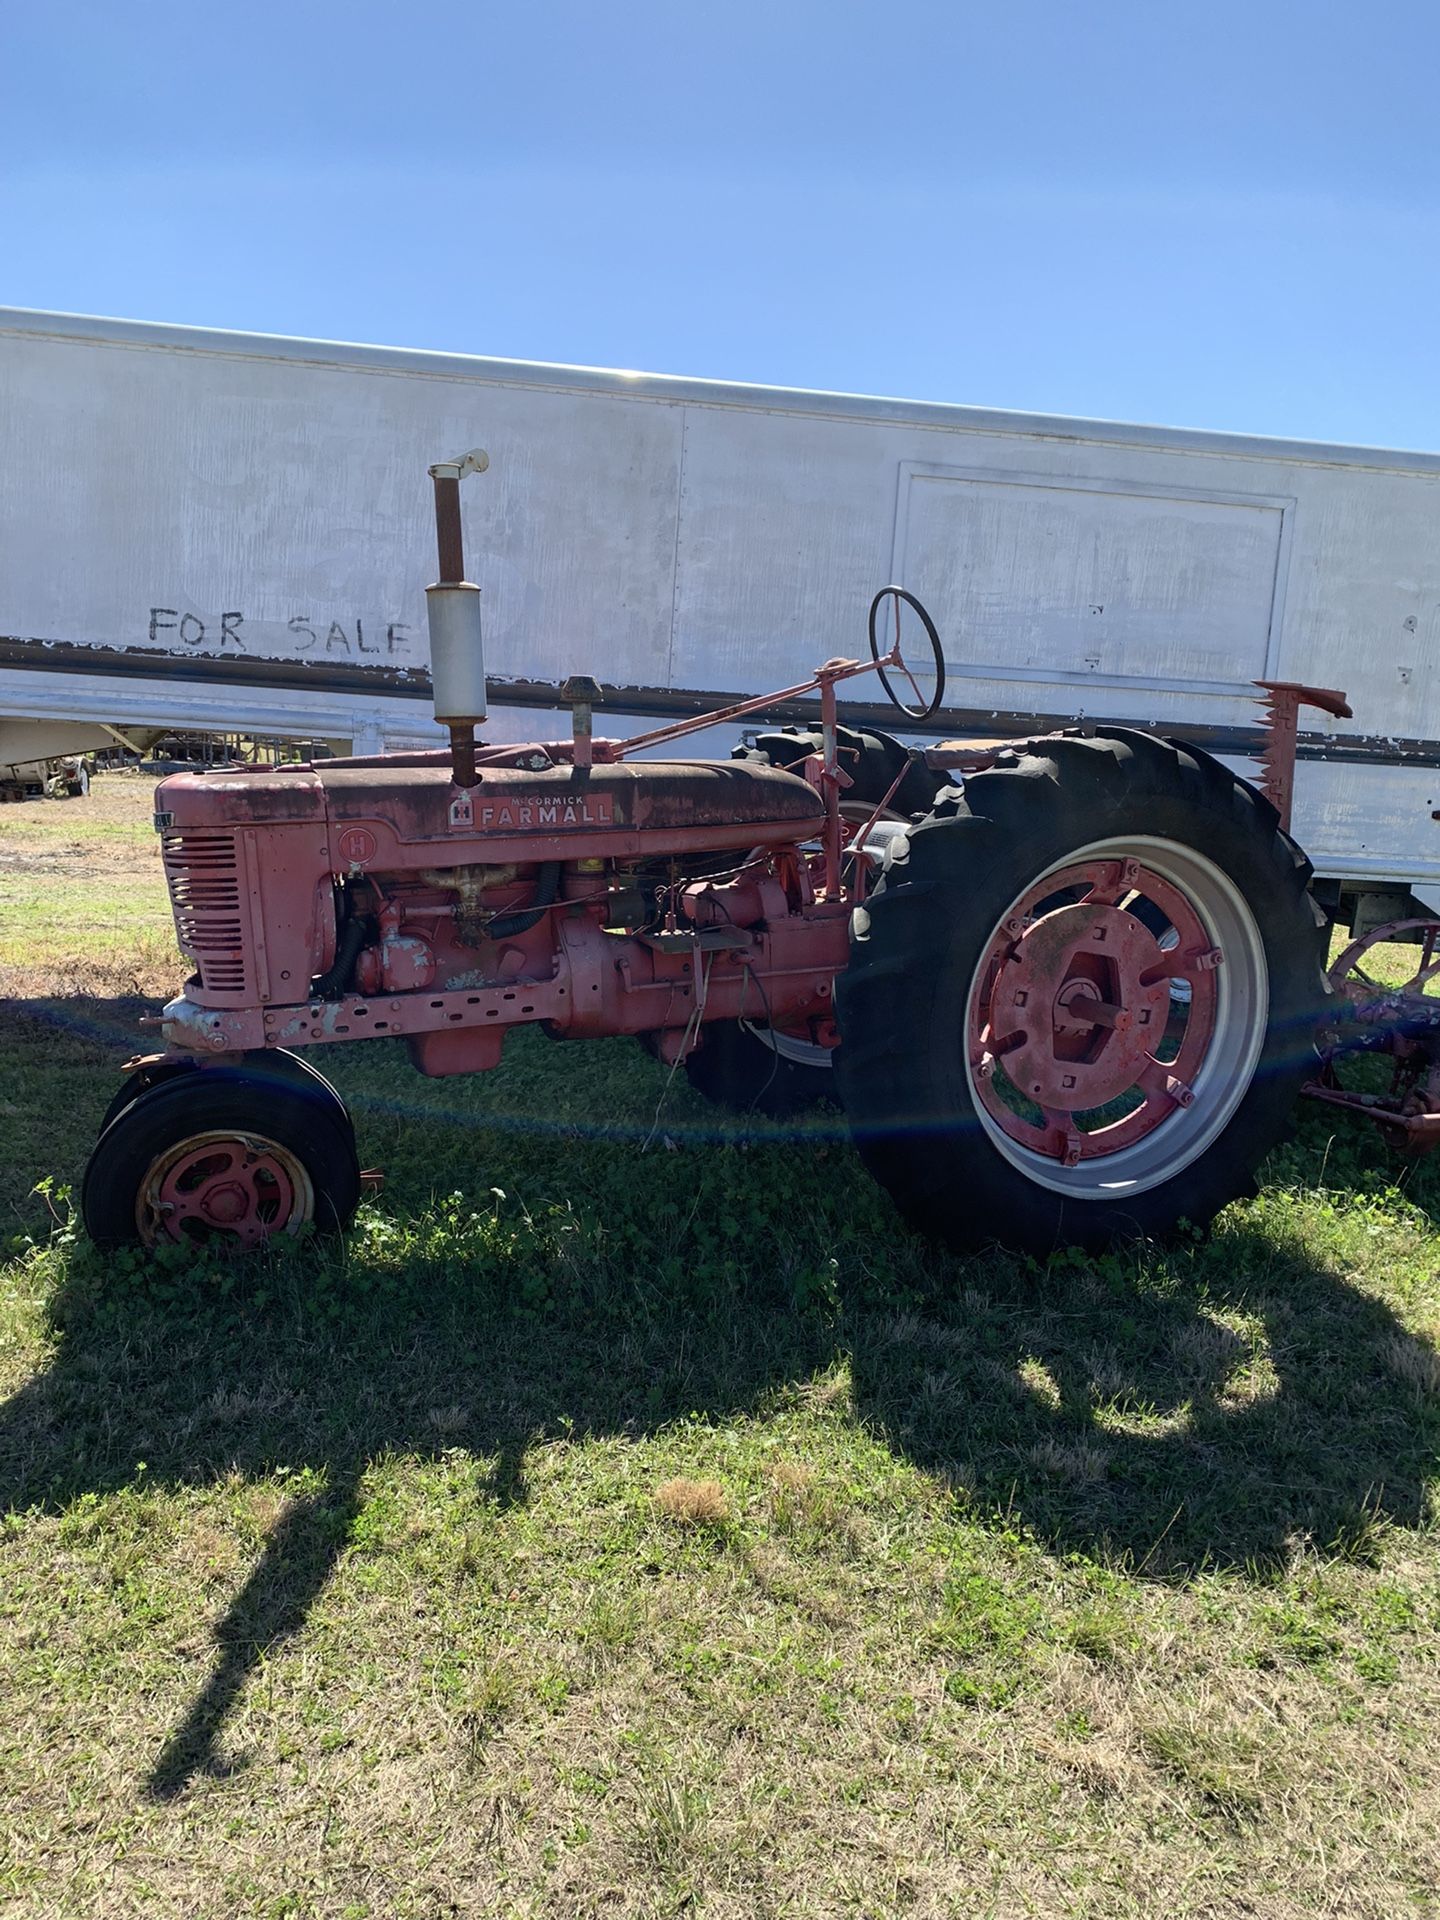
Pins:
x,y
226,1201
1073,1014
1076,1005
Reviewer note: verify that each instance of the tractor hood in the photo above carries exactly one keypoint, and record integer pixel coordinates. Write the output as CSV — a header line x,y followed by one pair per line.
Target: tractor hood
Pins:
x,y
403,815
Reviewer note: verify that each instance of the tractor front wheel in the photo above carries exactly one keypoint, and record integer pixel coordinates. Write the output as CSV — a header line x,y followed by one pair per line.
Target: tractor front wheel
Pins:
x,y
1082,998
211,1158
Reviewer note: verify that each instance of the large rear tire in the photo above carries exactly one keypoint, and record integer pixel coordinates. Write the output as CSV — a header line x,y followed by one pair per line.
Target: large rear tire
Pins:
x,y
747,1064
1040,1045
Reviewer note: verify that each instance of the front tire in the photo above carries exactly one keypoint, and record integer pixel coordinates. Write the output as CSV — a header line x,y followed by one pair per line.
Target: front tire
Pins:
x,y
1019,1062
211,1158
264,1068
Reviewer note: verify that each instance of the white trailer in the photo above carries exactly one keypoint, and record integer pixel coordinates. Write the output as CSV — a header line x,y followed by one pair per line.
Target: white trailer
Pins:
x,y
232,532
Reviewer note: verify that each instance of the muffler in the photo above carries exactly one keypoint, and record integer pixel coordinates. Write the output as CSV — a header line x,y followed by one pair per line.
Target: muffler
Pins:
x,y
452,608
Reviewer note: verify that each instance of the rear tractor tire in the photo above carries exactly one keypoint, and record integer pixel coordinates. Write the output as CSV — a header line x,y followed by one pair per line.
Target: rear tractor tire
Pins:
x,y
747,1064
222,1158
1082,998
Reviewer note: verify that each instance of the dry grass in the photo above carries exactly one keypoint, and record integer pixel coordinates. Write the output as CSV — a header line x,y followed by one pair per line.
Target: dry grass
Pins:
x,y
83,907
697,1503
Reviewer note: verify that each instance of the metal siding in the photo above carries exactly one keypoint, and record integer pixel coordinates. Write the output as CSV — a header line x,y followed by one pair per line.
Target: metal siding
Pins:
x,y
203,485
784,536
1104,581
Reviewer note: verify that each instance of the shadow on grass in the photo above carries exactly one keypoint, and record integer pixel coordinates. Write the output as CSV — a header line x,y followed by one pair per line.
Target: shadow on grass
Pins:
x,y
1167,1413
1132,1422
274,1603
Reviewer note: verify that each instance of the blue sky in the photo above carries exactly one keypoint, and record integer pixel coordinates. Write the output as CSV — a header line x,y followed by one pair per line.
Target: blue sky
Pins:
x,y
1214,214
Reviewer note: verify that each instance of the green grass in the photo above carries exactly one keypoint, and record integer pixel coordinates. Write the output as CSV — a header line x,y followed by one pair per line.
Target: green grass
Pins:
x,y
341,1583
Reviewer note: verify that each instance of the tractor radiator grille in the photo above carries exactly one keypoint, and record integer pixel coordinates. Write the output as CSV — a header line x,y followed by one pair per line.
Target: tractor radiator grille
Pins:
x,y
204,876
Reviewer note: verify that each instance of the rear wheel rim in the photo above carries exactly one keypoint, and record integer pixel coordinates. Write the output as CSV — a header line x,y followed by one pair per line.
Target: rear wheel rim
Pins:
x,y
1088,1072
228,1189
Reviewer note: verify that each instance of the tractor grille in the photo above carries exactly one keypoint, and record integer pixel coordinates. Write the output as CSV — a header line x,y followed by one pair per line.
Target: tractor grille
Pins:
x,y
204,876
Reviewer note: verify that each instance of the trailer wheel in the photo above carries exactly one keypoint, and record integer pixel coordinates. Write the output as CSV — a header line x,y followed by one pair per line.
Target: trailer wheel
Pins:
x,y
213,1158
1022,1061
748,1064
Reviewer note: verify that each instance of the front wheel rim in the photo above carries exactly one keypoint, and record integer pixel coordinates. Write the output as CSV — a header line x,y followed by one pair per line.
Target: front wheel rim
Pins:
x,y
1089,1073
231,1189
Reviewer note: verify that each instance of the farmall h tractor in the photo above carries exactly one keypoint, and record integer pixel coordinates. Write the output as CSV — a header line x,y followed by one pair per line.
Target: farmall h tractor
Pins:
x,y
1064,990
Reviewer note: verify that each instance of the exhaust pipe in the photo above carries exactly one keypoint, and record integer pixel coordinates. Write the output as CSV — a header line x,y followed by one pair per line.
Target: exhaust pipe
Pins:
x,y
452,608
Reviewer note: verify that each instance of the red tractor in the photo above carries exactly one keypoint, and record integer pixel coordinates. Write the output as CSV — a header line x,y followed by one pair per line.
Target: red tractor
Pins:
x,y
1064,990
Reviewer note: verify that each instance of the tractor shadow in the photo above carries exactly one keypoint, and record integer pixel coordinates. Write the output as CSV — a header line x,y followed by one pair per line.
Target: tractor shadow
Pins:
x,y
1222,1407
1229,1424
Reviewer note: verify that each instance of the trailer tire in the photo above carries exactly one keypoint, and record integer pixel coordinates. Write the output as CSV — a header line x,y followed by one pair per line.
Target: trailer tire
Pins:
x,y
976,949
215,1157
742,1063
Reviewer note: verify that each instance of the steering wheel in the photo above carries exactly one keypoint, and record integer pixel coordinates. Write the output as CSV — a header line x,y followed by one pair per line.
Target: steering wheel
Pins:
x,y
926,679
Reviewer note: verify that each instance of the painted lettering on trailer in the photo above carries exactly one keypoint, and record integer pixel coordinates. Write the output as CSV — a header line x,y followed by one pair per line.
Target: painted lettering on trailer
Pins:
x,y
579,810
336,636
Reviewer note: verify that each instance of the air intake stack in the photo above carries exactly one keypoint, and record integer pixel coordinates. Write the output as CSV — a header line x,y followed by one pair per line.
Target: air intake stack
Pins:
x,y
452,606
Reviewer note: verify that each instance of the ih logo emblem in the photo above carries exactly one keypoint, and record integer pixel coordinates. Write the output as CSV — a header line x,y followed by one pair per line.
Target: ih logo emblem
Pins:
x,y
462,809
357,846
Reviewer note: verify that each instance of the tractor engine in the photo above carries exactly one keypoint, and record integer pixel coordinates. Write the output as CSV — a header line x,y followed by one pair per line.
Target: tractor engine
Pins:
x,y
376,897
